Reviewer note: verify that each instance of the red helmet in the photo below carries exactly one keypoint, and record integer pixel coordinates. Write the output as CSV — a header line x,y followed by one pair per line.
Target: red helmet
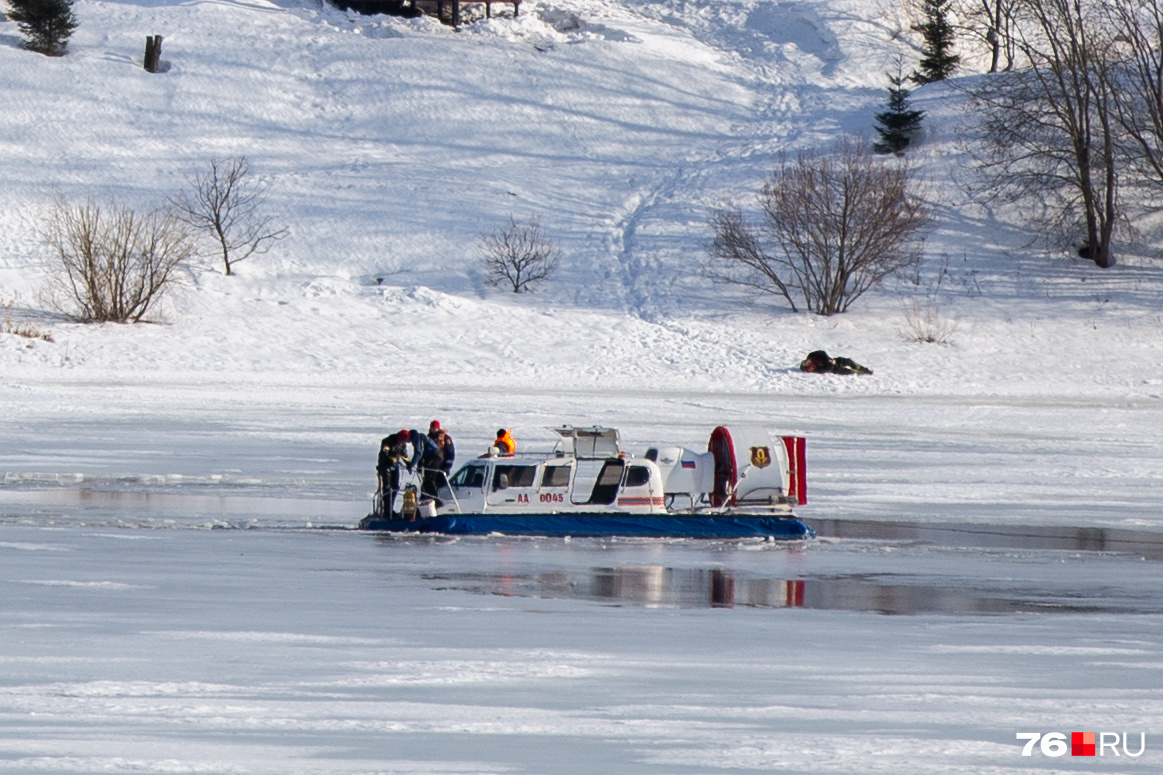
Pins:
x,y
434,426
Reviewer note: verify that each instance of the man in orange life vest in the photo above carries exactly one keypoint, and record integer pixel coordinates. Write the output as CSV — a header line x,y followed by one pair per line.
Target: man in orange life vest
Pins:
x,y
504,442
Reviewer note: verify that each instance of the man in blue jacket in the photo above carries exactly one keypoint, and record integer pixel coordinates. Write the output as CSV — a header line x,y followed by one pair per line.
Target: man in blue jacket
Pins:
x,y
441,438
425,453
426,458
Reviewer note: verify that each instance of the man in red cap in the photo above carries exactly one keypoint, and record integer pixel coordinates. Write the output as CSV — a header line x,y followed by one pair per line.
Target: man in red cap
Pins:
x,y
442,440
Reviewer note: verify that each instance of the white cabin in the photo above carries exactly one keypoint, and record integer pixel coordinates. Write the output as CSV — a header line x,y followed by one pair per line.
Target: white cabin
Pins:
x,y
745,470
587,472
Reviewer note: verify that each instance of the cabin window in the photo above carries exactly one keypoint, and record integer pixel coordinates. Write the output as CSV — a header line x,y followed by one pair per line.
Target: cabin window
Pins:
x,y
514,476
637,476
584,479
469,476
606,487
555,476
611,474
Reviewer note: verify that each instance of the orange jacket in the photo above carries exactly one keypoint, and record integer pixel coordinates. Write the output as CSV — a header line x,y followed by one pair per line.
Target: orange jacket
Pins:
x,y
505,443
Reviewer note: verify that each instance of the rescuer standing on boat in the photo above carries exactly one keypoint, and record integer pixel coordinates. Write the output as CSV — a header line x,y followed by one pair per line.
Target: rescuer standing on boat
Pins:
x,y
441,438
426,459
425,453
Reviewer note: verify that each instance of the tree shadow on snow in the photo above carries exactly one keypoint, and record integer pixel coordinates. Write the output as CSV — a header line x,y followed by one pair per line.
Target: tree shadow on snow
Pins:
x,y
12,41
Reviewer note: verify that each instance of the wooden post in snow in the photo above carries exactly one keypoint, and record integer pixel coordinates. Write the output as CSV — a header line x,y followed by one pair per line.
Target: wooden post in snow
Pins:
x,y
153,53
455,13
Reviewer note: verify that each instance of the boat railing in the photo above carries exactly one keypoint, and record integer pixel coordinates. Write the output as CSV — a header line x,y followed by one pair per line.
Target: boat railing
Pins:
x,y
378,499
448,486
532,454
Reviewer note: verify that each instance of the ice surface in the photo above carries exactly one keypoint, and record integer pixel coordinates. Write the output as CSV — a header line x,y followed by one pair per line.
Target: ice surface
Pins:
x,y
340,652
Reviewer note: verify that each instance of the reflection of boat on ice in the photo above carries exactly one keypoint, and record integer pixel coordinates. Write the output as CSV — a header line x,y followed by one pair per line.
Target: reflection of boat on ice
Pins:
x,y
647,585
745,484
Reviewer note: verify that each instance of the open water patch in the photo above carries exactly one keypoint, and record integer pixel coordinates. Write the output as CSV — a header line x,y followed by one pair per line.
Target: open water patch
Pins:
x,y
892,594
1141,543
176,501
898,568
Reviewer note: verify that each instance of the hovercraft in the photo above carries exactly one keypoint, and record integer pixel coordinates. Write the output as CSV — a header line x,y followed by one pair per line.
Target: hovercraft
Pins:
x,y
745,485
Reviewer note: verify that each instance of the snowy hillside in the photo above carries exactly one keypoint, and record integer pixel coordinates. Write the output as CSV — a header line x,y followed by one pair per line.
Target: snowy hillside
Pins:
x,y
392,144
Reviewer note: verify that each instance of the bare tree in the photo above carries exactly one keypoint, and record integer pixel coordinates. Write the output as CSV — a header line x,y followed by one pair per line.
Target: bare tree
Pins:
x,y
110,263
226,202
834,225
993,23
518,255
745,259
1138,96
1052,127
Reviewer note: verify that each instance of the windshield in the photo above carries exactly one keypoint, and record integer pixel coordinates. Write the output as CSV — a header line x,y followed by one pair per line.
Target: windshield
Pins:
x,y
472,475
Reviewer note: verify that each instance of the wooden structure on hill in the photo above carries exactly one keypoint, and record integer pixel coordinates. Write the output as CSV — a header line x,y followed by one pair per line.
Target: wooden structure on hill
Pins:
x,y
447,11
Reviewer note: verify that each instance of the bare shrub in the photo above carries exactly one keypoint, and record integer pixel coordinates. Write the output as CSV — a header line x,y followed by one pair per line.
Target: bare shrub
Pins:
x,y
225,202
26,330
110,263
518,255
833,226
926,325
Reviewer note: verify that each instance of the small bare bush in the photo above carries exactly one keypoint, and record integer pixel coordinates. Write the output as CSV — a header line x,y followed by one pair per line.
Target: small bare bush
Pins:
x,y
226,202
833,226
519,255
110,263
26,330
926,325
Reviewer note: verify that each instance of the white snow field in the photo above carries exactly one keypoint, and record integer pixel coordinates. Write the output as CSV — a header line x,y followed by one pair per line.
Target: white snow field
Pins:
x,y
180,590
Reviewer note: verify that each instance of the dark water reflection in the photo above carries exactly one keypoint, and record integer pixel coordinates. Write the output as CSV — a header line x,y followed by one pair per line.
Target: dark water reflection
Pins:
x,y
1141,543
888,568
659,586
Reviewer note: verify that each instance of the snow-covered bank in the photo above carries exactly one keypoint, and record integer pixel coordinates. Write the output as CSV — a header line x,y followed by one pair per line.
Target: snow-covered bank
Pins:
x,y
391,145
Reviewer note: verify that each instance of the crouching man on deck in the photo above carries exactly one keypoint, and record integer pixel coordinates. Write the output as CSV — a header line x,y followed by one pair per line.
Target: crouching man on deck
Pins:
x,y
393,452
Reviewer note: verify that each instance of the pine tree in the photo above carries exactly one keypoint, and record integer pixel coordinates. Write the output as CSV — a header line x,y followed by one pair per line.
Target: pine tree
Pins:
x,y
938,62
896,124
46,24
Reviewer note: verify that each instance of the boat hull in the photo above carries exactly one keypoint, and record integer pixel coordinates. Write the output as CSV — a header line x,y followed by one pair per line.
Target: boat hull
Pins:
x,y
601,525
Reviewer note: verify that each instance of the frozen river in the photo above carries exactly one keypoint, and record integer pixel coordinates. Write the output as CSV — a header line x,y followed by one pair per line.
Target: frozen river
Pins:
x,y
180,592
183,649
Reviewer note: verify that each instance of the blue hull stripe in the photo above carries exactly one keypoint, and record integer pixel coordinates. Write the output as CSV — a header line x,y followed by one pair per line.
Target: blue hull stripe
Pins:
x,y
599,525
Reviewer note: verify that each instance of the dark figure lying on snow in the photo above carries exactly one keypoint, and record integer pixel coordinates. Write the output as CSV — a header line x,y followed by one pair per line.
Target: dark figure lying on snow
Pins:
x,y
819,362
